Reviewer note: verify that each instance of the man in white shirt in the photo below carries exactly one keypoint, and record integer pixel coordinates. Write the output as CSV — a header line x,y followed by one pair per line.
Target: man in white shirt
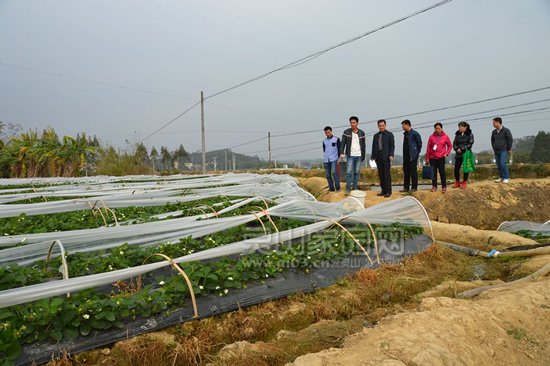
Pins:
x,y
353,147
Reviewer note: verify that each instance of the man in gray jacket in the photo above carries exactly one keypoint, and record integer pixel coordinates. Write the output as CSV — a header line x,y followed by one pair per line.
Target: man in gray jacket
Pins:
x,y
501,140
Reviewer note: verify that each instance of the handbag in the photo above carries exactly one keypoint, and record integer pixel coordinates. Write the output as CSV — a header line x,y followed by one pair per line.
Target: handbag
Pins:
x,y
427,172
469,163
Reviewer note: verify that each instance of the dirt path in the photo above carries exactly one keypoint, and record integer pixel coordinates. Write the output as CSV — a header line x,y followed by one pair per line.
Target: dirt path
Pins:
x,y
506,327
483,205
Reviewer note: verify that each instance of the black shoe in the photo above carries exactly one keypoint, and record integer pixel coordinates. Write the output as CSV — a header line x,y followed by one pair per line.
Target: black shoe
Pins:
x,y
414,190
403,190
331,190
387,195
380,194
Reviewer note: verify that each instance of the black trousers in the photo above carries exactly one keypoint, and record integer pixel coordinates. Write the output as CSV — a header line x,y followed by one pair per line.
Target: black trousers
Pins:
x,y
410,171
384,174
458,164
438,165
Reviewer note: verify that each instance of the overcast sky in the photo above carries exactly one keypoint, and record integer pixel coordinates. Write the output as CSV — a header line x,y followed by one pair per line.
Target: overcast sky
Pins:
x,y
147,61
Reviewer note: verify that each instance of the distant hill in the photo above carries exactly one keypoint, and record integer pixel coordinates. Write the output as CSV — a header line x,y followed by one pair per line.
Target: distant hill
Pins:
x,y
223,160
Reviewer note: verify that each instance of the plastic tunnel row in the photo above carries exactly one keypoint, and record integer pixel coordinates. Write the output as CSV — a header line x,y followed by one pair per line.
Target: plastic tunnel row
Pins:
x,y
259,237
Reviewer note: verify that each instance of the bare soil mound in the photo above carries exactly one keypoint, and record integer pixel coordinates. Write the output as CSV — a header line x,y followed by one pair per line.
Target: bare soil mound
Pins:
x,y
504,327
484,205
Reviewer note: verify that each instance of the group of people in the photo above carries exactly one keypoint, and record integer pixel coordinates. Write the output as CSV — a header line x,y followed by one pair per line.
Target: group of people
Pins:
x,y
353,145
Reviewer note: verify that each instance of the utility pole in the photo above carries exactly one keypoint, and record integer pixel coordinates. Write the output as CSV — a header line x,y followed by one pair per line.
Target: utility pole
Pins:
x,y
215,162
269,148
225,154
234,162
203,136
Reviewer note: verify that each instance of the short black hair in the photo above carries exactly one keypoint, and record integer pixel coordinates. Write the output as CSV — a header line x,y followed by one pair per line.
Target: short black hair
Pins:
x,y
438,124
328,128
406,122
381,121
498,120
354,118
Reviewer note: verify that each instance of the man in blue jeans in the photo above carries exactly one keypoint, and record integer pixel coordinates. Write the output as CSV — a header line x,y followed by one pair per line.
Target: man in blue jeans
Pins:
x,y
331,149
353,148
501,140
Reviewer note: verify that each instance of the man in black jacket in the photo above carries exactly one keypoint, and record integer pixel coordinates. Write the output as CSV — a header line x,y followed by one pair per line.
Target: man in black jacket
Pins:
x,y
501,140
412,146
383,147
353,148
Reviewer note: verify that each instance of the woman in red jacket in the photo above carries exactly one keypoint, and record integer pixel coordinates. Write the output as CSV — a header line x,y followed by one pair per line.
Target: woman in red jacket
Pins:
x,y
439,147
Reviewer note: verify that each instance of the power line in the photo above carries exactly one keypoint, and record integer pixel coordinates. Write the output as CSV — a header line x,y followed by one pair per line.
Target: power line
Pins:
x,y
471,103
141,90
308,58
475,120
427,111
170,122
487,111
487,117
246,143
417,125
296,152
282,148
103,83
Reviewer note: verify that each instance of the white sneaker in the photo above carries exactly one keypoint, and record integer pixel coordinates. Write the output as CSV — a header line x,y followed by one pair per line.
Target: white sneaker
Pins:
x,y
505,181
499,180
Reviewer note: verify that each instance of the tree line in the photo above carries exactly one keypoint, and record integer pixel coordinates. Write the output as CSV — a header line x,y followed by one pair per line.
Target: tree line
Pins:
x,y
45,154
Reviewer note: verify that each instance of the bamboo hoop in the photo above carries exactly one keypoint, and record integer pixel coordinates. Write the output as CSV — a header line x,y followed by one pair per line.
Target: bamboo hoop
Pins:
x,y
373,237
264,201
353,237
266,214
196,208
261,222
427,217
181,271
112,212
65,267
95,210
212,209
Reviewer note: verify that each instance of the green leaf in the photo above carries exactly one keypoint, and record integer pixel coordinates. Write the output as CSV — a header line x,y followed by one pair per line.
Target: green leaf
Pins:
x,y
110,317
56,334
212,276
85,329
99,324
67,316
56,302
13,351
70,333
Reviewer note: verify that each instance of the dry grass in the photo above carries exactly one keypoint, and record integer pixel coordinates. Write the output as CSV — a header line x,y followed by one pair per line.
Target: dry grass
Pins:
x,y
366,297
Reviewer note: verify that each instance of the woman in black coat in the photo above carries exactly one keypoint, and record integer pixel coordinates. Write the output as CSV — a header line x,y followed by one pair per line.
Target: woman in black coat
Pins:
x,y
464,139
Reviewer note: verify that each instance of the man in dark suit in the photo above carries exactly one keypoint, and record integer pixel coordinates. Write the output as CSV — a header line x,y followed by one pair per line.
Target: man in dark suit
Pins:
x,y
383,147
